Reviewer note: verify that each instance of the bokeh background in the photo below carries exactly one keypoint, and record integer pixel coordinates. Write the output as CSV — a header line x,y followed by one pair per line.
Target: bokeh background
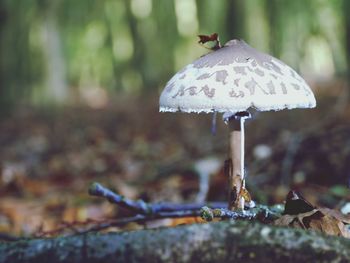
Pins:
x,y
79,88
67,51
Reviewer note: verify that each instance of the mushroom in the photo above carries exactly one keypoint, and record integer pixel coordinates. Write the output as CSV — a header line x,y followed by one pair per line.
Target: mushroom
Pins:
x,y
232,79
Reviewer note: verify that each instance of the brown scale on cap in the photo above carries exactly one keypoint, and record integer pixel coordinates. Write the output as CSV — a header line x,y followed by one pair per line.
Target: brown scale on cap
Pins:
x,y
220,76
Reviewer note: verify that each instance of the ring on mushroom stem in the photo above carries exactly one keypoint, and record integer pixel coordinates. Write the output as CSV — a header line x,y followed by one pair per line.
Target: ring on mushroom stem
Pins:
x,y
236,115
230,80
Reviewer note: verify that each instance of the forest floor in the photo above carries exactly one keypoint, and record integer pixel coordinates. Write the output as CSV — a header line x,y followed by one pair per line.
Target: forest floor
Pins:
x,y
48,159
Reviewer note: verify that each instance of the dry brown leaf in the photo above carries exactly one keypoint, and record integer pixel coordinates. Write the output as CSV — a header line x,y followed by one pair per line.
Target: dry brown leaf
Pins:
x,y
337,214
246,195
330,226
325,220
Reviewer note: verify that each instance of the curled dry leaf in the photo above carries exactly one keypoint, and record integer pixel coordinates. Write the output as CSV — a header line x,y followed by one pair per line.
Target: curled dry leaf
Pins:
x,y
328,221
246,195
337,214
212,41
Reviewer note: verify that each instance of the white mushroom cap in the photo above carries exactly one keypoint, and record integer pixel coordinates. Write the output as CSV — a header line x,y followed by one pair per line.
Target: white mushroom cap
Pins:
x,y
235,78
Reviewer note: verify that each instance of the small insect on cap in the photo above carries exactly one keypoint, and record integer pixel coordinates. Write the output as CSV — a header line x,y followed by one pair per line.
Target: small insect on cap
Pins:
x,y
234,78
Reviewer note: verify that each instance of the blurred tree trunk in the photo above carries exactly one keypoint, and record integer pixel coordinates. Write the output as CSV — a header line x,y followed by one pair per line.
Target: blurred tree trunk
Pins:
x,y
273,9
15,66
110,43
164,13
235,19
346,14
138,61
217,11
56,86
3,75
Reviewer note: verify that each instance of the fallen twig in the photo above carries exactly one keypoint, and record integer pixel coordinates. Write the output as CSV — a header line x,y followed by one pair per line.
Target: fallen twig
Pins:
x,y
141,207
261,213
142,219
83,227
149,211
8,237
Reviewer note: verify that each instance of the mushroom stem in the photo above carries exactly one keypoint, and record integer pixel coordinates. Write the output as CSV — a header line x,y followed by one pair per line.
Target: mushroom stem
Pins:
x,y
236,172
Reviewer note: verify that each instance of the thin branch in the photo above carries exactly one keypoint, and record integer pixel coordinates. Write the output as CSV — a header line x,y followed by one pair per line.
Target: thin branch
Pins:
x,y
142,219
144,212
148,212
83,227
261,213
8,237
141,207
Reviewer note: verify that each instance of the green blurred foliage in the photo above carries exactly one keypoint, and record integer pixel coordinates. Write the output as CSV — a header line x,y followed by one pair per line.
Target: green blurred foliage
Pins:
x,y
56,50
